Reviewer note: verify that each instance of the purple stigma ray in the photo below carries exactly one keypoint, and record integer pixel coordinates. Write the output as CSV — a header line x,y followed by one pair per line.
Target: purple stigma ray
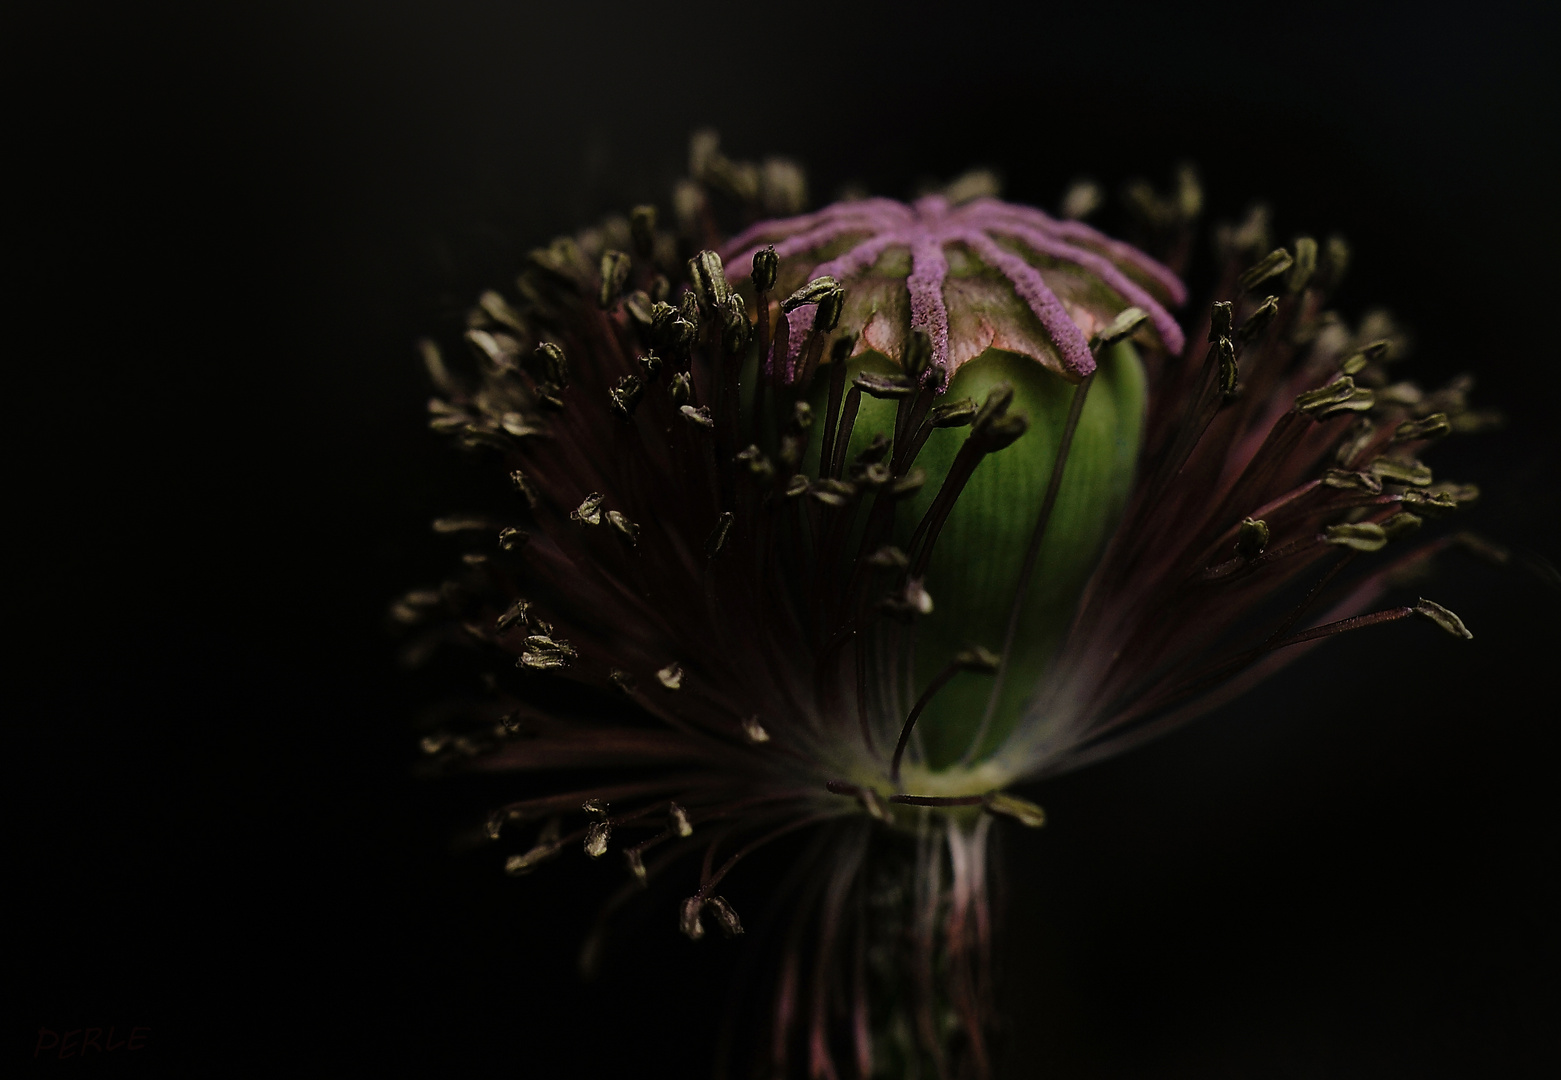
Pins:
x,y
1077,230
924,229
1102,267
928,313
1032,289
878,212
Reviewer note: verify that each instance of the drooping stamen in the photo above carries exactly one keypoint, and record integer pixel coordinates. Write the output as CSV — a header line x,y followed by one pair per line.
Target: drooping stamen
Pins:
x,y
991,430
1027,568
975,659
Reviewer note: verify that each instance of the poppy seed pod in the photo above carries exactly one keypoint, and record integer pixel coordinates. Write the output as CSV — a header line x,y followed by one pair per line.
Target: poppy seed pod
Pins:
x,y
878,514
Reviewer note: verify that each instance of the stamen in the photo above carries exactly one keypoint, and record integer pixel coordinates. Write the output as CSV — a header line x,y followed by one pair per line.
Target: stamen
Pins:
x,y
1021,810
975,659
1273,264
1258,321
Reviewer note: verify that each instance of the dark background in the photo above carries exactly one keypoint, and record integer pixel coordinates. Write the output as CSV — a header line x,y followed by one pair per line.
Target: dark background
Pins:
x,y
229,223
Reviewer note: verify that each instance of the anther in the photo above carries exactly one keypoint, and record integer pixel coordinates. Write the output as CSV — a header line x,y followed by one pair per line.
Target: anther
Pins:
x,y
527,490
1429,609
550,361
642,227
1341,480
543,653
626,395
736,330
1258,321
1431,502
1082,199
1336,259
615,271
1360,400
949,414
1313,401
1432,427
1401,524
873,476
626,528
518,425
766,264
412,607
717,540
1221,319
909,484
698,414
636,864
517,613
622,680
1363,536
1021,810
832,492
709,280
677,821
1273,264
662,315
797,486
597,808
589,512
909,602
688,311
1122,326
755,730
688,918
1252,538
1458,493
827,315
494,826
1401,471
671,676
887,387
512,725
1305,263
597,833
650,364
888,557
545,848
448,525
680,389
814,292
802,416
724,916
637,304
1401,393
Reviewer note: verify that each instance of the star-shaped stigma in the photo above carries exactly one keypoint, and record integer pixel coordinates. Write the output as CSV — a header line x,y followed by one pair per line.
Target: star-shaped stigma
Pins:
x,y
978,275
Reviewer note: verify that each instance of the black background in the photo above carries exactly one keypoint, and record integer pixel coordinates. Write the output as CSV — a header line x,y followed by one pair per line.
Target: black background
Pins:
x,y
229,223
